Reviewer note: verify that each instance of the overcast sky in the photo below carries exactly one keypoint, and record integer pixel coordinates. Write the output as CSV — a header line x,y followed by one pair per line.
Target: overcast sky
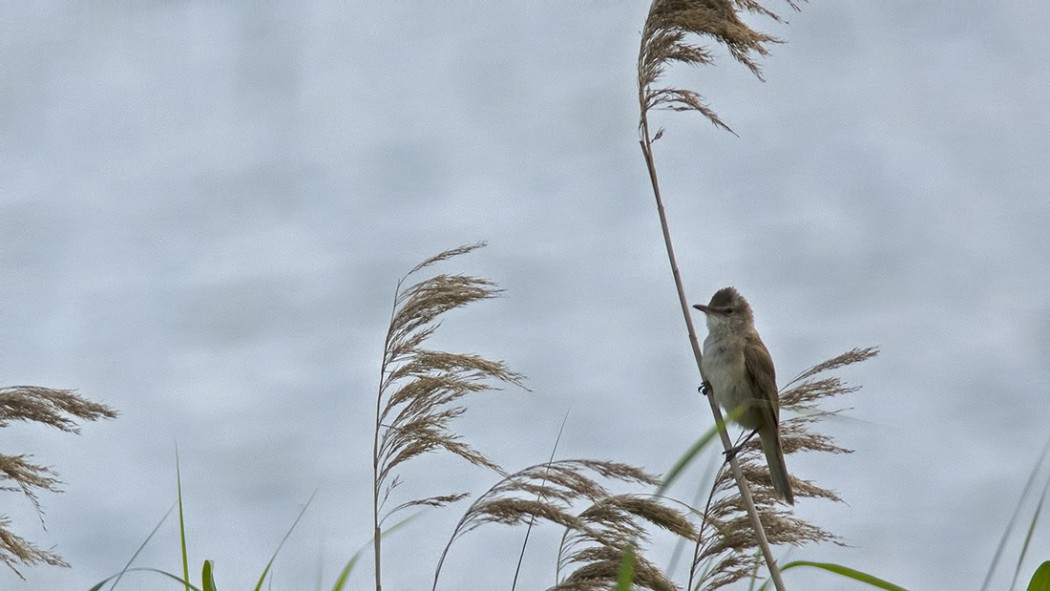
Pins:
x,y
205,208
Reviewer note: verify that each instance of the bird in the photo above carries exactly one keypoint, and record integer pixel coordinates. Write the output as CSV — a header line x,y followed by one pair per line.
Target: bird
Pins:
x,y
739,369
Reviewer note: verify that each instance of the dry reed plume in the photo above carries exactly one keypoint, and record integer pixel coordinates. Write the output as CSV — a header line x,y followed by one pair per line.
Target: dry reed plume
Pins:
x,y
666,40
598,536
54,408
724,551
420,390
420,393
617,531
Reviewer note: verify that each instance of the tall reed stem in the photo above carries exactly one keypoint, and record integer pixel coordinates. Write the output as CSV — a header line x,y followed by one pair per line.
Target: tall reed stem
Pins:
x,y
694,343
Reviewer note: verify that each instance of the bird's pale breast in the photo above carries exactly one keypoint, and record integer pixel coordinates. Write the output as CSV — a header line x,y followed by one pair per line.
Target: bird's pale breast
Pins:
x,y
723,366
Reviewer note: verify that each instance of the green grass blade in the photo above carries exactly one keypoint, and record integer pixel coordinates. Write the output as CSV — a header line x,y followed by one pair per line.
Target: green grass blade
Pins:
x,y
116,578
345,573
1041,579
266,570
340,582
625,578
98,586
686,459
186,582
207,579
182,523
1013,518
846,572
1029,533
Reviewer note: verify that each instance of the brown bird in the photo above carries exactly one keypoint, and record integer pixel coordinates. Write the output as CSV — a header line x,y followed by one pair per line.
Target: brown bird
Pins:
x,y
739,369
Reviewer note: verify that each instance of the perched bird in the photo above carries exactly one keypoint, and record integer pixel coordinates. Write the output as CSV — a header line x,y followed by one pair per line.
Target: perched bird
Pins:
x,y
739,369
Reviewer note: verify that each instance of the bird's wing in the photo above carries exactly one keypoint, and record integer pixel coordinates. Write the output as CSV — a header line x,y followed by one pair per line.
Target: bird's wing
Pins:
x,y
763,378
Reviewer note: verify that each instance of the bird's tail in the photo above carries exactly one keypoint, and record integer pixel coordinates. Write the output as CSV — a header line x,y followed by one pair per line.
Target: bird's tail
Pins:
x,y
775,459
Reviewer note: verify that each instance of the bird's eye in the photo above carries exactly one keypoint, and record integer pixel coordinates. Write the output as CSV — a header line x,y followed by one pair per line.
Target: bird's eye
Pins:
x,y
729,310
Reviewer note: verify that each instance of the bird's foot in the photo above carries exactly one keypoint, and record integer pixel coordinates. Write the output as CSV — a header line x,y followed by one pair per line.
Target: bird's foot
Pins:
x,y
731,452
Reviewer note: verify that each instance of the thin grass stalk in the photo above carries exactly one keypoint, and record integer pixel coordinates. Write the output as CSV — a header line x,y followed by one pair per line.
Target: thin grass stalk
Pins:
x,y
672,564
1013,518
127,567
269,565
532,520
377,534
700,533
377,482
1028,535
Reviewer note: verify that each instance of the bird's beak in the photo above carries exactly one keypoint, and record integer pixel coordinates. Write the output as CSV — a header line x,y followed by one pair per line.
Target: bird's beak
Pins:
x,y
702,308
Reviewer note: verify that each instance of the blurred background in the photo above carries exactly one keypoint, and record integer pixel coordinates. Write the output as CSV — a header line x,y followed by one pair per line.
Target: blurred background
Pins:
x,y
205,209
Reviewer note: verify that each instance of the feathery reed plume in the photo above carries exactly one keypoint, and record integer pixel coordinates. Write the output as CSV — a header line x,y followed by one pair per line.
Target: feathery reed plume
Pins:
x,y
595,538
49,407
420,390
724,549
615,532
665,40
